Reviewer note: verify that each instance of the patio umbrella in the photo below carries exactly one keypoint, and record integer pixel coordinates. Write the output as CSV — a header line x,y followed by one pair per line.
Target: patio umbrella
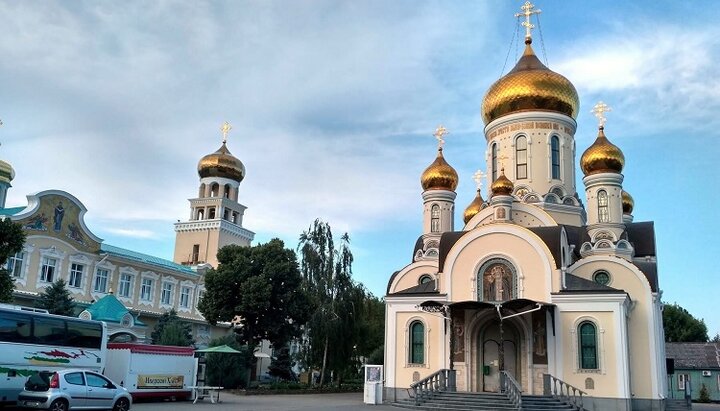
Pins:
x,y
223,349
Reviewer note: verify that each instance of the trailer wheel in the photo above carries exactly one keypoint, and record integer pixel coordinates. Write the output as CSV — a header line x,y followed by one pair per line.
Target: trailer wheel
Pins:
x,y
121,405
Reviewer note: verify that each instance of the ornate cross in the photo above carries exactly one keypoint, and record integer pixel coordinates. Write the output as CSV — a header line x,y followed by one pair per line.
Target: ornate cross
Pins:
x,y
599,111
226,127
527,11
440,132
502,159
478,177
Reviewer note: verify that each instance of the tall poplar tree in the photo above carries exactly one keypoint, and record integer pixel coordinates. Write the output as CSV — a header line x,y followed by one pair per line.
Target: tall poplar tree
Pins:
x,y
12,239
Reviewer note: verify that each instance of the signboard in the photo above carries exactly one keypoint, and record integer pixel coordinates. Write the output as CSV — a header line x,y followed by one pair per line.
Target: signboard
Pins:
x,y
154,381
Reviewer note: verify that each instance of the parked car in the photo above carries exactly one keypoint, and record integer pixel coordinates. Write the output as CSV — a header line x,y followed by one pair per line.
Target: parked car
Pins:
x,y
73,390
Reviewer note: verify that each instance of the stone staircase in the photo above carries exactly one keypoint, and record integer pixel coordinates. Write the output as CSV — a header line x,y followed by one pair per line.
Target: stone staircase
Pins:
x,y
455,401
676,405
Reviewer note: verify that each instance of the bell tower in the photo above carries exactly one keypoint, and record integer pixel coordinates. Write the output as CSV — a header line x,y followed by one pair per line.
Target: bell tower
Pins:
x,y
215,214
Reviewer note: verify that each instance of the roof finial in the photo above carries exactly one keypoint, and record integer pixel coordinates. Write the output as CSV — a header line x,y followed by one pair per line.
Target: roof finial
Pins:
x,y
478,177
440,132
527,11
226,127
502,159
599,111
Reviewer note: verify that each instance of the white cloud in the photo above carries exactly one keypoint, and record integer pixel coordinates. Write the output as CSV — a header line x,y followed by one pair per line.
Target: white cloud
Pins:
x,y
128,232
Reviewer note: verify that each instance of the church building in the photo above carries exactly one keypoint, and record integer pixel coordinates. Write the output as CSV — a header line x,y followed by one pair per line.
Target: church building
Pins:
x,y
128,289
534,287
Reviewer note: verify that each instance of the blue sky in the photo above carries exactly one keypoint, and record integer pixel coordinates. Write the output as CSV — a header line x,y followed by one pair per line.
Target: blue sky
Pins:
x,y
333,105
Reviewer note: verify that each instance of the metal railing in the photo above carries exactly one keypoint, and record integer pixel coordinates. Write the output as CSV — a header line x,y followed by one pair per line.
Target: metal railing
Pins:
x,y
564,391
443,380
511,388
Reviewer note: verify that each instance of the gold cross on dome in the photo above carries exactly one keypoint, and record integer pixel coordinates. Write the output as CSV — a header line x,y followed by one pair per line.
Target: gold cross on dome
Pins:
x,y
440,132
502,159
226,127
479,176
527,11
599,111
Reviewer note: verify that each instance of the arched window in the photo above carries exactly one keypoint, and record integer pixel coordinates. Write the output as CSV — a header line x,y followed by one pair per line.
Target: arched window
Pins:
x,y
587,335
555,156
494,165
521,166
417,343
214,189
435,219
498,280
425,278
602,199
201,193
226,192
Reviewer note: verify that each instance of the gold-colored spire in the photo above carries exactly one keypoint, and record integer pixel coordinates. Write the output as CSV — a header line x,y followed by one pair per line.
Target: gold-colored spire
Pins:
x,y
222,163
502,185
602,156
225,129
627,203
478,203
527,11
439,175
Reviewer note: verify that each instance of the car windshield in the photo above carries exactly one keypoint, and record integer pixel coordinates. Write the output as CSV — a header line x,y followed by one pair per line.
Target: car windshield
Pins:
x,y
39,381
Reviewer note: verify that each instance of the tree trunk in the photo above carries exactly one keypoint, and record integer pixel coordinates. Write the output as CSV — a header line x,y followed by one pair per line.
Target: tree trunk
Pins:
x,y
325,352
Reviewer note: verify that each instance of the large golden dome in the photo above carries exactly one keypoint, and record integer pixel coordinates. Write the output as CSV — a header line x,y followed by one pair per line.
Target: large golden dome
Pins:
x,y
221,164
439,175
475,207
7,174
530,85
627,203
602,156
502,185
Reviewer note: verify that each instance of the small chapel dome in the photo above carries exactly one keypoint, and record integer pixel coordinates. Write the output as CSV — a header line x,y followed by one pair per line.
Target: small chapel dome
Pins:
x,y
439,175
530,85
7,173
502,186
627,203
475,207
221,164
602,156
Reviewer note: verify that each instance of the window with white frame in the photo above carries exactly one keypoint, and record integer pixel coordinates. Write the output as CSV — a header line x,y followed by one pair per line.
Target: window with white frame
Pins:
x,y
125,285
76,275
166,295
587,335
521,158
146,289
185,297
101,280
435,218
682,379
201,293
555,157
47,269
15,264
603,213
417,343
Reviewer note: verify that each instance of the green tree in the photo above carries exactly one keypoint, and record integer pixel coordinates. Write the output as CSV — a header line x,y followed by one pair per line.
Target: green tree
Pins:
x,y
704,394
179,333
227,370
259,288
12,238
57,300
681,326
281,365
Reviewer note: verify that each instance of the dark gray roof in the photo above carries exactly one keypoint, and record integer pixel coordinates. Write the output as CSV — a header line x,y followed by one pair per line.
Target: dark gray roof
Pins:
x,y
642,237
575,283
392,278
418,246
447,241
649,268
694,355
425,288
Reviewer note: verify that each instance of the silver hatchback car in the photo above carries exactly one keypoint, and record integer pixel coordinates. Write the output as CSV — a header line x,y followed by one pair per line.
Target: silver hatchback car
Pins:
x,y
74,390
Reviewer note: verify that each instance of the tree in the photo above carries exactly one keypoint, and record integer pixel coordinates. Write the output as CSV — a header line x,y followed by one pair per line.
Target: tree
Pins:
x,y
281,366
704,394
12,238
716,338
681,326
178,332
259,289
57,300
227,370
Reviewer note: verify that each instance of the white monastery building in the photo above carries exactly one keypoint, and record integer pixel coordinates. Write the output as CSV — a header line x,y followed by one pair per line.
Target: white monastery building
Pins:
x,y
533,286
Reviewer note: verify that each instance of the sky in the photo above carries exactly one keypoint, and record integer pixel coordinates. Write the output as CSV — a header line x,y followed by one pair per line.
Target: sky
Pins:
x,y
333,105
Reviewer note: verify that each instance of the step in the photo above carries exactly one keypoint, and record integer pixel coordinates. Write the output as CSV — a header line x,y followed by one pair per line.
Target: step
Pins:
x,y
452,401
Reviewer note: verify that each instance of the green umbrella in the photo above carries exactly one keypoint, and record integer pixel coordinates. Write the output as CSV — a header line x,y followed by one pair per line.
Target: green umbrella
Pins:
x,y
224,349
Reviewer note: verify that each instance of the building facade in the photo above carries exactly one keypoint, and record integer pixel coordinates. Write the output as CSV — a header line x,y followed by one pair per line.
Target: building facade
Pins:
x,y
534,283
59,245
697,364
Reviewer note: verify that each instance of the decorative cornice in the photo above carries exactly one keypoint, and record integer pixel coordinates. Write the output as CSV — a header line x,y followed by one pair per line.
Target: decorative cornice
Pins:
x,y
216,224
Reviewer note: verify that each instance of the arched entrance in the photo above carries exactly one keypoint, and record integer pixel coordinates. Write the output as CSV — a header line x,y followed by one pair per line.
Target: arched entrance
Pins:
x,y
491,354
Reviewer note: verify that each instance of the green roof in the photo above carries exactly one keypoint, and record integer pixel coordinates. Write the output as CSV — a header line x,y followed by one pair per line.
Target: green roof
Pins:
x,y
109,309
11,210
144,258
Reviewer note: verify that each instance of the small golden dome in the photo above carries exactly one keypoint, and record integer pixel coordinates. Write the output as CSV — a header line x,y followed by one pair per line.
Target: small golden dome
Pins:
x,y
475,207
221,164
439,175
602,156
7,174
502,186
530,85
627,203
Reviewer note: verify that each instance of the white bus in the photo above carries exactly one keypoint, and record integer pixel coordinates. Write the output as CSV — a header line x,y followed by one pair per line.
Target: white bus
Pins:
x,y
32,341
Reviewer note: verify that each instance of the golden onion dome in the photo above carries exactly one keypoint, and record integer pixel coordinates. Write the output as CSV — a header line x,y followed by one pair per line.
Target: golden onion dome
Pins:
x,y
7,174
502,186
439,175
221,164
602,156
475,207
627,203
530,85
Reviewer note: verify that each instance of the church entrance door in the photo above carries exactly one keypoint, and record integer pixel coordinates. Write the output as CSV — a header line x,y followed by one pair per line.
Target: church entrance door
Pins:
x,y
489,369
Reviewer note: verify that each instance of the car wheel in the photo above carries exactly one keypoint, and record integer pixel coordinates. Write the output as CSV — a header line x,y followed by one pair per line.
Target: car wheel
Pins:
x,y
58,405
122,405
